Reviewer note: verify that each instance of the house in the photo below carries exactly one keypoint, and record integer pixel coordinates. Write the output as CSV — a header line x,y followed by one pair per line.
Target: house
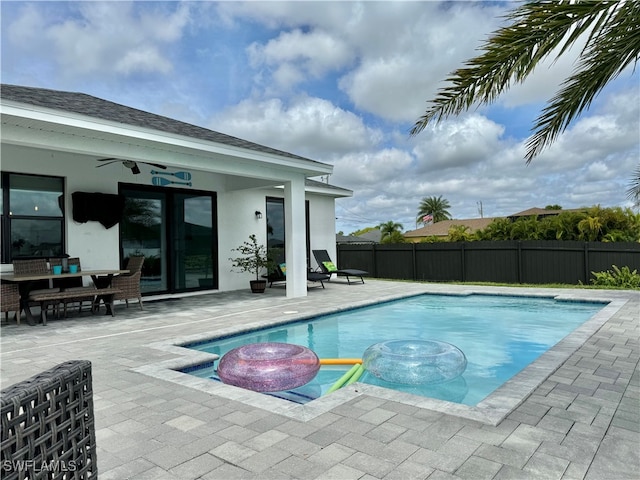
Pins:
x,y
102,181
541,213
441,229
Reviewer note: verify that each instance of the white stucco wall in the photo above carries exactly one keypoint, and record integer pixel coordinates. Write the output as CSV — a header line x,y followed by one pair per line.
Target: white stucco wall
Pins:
x,y
98,247
322,225
236,221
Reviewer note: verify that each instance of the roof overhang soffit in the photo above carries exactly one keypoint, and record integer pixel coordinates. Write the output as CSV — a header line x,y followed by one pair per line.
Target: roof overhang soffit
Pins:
x,y
103,139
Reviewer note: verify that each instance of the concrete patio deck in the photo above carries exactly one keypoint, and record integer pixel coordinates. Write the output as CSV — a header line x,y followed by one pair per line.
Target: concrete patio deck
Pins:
x,y
581,421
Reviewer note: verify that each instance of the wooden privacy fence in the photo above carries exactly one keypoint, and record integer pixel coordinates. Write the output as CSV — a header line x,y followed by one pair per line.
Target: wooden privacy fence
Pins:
x,y
511,261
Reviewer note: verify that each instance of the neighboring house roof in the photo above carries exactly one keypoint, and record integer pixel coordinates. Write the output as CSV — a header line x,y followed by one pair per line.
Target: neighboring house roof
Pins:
x,y
441,229
350,239
535,211
541,212
372,236
88,105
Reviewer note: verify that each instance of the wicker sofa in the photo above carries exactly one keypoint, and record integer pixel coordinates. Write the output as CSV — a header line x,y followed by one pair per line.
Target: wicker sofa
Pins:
x,y
48,426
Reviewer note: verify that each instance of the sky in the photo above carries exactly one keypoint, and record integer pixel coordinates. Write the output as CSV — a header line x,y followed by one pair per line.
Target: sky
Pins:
x,y
339,82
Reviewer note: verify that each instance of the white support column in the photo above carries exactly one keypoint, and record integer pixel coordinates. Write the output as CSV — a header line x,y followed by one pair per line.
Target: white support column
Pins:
x,y
295,237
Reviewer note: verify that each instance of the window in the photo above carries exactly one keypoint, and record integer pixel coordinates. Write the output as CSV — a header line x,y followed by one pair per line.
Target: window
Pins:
x,y
32,216
275,228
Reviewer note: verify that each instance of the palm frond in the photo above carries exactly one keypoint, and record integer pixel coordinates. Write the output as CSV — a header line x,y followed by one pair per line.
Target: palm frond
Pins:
x,y
536,30
618,47
633,193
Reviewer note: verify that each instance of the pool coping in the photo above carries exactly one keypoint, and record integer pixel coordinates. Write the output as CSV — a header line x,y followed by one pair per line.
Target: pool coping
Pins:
x,y
492,410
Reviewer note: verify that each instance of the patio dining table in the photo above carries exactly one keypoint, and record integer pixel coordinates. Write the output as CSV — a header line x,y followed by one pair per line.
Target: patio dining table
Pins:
x,y
101,280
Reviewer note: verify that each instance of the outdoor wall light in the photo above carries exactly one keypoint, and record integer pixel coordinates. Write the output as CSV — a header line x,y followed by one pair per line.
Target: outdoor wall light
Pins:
x,y
258,214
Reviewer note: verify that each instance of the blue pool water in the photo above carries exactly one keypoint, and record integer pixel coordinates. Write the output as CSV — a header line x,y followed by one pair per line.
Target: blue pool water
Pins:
x,y
500,335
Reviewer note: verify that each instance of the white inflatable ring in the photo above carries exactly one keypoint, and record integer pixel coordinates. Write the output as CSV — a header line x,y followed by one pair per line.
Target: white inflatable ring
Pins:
x,y
414,362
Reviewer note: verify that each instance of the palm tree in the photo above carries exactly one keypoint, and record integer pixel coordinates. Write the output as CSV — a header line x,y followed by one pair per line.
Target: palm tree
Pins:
x,y
434,206
395,237
536,30
459,233
388,229
590,228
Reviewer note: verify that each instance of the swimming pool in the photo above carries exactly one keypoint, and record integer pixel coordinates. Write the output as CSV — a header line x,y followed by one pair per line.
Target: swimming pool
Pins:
x,y
500,336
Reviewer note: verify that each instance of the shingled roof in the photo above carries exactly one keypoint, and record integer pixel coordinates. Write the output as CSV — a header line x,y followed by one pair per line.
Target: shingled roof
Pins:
x,y
90,106
441,229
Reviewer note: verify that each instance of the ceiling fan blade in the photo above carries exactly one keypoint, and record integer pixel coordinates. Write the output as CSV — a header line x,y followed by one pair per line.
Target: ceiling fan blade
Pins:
x,y
157,165
128,163
103,164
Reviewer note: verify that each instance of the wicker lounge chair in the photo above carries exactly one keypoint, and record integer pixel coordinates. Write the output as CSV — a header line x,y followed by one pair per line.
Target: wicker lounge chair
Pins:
x,y
10,300
326,266
130,283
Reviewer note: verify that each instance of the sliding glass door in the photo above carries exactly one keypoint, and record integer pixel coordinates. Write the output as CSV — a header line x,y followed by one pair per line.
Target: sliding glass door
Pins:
x,y
174,230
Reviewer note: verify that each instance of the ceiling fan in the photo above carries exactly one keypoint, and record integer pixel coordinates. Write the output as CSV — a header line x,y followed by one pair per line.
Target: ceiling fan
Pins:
x,y
129,164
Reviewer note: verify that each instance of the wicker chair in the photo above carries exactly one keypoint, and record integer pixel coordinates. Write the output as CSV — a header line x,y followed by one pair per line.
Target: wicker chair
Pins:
x,y
48,420
130,282
34,266
10,300
30,267
70,284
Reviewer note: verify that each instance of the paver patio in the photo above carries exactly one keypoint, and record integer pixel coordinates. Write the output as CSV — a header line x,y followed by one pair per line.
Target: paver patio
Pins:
x,y
583,421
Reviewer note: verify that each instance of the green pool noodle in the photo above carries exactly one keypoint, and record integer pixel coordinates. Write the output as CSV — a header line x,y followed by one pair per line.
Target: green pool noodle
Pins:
x,y
343,379
356,375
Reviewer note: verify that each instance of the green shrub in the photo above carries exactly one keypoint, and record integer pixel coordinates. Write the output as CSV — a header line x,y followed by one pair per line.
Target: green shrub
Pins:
x,y
619,277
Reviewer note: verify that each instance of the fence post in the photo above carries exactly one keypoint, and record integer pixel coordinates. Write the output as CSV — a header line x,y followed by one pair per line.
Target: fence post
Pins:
x,y
462,264
586,263
374,258
413,262
519,273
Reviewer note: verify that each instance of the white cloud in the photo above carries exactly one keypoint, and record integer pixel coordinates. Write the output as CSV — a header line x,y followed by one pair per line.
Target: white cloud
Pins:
x,y
101,38
463,141
339,82
377,168
316,52
401,70
307,126
401,51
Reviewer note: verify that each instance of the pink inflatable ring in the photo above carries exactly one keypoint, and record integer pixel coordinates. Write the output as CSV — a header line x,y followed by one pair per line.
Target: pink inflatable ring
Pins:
x,y
268,367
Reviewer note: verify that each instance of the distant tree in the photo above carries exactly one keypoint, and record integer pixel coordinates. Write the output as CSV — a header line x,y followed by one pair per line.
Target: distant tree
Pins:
x,y
394,237
590,228
459,233
526,228
498,229
553,207
434,206
536,30
388,229
595,224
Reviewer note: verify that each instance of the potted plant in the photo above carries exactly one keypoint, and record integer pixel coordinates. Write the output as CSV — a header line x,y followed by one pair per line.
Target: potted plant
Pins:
x,y
254,258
